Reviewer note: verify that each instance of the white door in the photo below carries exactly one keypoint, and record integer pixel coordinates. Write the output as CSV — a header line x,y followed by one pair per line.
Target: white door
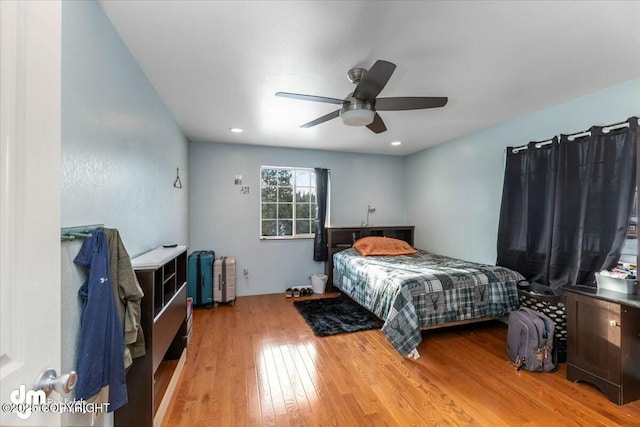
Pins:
x,y
30,168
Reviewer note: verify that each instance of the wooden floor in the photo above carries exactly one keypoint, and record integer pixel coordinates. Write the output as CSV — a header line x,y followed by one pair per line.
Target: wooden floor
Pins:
x,y
258,363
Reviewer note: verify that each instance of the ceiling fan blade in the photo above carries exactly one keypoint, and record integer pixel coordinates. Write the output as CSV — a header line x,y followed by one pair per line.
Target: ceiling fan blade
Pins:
x,y
374,80
377,125
310,98
322,119
410,103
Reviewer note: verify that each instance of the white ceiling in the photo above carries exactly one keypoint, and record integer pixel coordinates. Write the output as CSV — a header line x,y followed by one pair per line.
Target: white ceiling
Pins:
x,y
218,64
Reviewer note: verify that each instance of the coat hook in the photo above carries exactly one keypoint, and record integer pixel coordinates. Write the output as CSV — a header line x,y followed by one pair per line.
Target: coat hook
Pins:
x,y
177,183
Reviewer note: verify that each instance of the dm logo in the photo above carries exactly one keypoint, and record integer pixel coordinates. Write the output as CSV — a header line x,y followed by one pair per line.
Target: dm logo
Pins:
x,y
26,400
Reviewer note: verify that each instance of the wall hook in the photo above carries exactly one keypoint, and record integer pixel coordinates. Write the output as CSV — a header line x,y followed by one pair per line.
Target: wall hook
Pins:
x,y
177,183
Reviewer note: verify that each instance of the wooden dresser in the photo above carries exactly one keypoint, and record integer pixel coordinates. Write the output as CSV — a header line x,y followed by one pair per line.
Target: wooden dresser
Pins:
x,y
603,333
162,274
341,238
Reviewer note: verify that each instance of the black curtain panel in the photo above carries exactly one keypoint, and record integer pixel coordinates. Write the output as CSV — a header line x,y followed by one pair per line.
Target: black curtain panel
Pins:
x,y
319,242
594,197
566,205
526,213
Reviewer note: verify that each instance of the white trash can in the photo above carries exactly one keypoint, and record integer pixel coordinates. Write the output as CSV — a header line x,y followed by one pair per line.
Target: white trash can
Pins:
x,y
318,283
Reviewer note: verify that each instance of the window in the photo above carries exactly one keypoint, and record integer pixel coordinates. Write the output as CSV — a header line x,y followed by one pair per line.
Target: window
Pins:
x,y
287,202
630,248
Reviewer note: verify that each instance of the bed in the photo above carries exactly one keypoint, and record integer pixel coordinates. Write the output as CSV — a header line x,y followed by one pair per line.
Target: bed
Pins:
x,y
424,291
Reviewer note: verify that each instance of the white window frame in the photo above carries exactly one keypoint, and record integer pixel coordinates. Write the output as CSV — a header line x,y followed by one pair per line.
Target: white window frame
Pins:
x,y
294,235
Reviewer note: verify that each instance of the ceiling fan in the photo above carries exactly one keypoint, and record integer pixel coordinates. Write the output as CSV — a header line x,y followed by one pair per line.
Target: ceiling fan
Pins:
x,y
360,108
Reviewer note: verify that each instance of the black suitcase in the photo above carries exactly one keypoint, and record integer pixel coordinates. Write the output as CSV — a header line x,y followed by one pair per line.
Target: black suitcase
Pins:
x,y
200,277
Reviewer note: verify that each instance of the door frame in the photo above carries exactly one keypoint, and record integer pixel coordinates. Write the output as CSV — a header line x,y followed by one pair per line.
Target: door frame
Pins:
x,y
30,176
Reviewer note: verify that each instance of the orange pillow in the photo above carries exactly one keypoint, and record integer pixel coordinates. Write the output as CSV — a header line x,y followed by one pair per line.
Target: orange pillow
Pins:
x,y
374,245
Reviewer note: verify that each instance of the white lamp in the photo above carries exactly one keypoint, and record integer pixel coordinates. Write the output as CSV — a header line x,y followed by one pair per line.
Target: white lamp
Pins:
x,y
369,210
356,112
357,117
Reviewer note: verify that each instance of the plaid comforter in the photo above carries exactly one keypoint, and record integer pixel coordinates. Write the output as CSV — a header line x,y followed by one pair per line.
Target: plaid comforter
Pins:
x,y
409,292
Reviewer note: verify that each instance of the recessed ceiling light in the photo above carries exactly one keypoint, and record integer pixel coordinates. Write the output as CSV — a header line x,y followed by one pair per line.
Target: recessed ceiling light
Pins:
x,y
236,130
396,143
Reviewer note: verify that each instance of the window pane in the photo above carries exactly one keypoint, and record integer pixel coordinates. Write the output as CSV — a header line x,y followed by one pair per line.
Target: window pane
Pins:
x,y
285,194
302,226
630,248
303,194
285,228
269,177
269,228
313,213
269,194
313,226
269,210
284,177
312,191
303,178
302,210
285,211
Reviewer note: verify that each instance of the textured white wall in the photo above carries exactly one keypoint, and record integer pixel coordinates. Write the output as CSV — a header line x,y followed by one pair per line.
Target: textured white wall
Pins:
x,y
226,221
454,189
120,151
120,144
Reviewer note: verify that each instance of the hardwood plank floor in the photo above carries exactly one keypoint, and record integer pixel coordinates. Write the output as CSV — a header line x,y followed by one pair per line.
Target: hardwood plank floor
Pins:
x,y
258,363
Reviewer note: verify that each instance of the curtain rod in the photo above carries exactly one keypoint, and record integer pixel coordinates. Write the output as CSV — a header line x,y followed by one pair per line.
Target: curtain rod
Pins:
x,y
578,135
614,127
605,129
537,145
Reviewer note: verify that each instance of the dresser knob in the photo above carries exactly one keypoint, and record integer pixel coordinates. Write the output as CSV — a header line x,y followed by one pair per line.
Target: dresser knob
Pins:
x,y
614,323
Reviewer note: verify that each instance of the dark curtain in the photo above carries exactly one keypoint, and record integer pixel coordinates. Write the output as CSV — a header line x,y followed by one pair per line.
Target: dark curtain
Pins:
x,y
526,212
594,198
566,206
319,242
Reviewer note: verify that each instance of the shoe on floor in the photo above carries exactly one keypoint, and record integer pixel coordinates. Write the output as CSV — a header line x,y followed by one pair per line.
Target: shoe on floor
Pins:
x,y
296,292
288,293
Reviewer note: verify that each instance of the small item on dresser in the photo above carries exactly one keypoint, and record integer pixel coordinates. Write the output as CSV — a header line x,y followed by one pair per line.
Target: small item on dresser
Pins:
x,y
170,245
617,281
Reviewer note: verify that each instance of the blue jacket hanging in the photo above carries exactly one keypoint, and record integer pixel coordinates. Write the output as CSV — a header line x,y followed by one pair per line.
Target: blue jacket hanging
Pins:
x,y
100,363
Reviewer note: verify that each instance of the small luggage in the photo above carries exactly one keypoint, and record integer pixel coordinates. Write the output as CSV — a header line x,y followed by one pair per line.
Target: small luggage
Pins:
x,y
530,341
224,280
200,277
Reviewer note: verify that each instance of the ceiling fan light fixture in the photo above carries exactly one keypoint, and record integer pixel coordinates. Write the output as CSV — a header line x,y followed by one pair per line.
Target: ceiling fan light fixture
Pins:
x,y
357,117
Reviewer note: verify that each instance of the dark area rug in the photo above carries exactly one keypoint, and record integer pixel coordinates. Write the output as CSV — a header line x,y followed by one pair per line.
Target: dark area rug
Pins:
x,y
331,316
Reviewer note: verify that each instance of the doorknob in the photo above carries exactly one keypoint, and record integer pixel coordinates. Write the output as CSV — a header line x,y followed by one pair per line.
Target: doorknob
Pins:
x,y
49,380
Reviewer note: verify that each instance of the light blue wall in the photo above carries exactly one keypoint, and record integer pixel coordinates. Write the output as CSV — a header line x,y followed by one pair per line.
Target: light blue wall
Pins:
x,y
120,151
120,144
223,219
454,189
